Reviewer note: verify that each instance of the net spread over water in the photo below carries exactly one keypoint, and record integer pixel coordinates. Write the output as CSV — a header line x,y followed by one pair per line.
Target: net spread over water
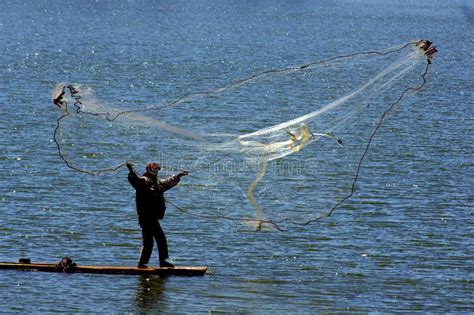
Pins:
x,y
310,121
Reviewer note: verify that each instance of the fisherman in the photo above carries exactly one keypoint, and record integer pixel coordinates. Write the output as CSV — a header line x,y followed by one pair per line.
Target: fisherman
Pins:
x,y
151,208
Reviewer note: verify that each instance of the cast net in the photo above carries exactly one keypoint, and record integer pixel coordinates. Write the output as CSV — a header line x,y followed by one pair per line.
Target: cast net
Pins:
x,y
282,146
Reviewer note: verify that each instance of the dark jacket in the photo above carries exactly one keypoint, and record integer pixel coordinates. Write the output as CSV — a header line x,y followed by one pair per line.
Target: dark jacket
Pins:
x,y
149,195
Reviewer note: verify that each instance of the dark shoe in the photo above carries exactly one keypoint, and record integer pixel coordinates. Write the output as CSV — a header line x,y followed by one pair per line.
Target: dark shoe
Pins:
x,y
164,263
142,266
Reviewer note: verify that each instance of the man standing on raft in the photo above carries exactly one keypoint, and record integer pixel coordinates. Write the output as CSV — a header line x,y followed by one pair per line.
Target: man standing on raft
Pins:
x,y
151,208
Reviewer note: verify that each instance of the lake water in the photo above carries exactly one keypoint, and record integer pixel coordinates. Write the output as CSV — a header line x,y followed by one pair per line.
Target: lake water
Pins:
x,y
404,242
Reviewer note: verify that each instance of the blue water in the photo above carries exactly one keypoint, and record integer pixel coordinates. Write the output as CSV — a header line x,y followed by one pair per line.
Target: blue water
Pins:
x,y
404,242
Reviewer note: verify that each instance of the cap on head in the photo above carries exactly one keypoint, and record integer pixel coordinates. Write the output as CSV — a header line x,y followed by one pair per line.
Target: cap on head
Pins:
x,y
153,168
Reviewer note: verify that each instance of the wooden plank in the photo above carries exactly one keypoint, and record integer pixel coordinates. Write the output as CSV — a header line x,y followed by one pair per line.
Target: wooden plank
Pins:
x,y
161,271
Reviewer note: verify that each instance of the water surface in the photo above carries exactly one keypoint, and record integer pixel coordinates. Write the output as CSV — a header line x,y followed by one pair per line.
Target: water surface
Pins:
x,y
404,242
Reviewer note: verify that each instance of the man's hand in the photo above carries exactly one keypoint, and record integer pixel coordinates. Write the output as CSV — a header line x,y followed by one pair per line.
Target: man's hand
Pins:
x,y
129,165
183,173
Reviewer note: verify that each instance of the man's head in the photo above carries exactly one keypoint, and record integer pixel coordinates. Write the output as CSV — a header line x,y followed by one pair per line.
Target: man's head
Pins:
x,y
153,168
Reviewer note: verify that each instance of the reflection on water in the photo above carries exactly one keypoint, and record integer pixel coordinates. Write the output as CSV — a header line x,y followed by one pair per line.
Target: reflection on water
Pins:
x,y
150,292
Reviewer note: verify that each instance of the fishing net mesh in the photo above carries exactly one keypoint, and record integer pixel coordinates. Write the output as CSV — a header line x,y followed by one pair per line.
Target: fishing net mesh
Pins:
x,y
294,136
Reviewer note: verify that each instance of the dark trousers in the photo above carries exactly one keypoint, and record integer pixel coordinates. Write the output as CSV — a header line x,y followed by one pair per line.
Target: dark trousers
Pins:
x,y
151,229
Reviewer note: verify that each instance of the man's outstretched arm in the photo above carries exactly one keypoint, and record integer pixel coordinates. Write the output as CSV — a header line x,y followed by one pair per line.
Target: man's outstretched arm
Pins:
x,y
135,180
170,182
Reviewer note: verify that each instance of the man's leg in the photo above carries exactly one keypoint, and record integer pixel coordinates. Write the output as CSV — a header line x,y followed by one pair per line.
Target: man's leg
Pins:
x,y
147,247
162,245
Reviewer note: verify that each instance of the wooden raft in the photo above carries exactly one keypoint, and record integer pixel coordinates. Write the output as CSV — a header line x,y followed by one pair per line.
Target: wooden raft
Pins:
x,y
160,271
